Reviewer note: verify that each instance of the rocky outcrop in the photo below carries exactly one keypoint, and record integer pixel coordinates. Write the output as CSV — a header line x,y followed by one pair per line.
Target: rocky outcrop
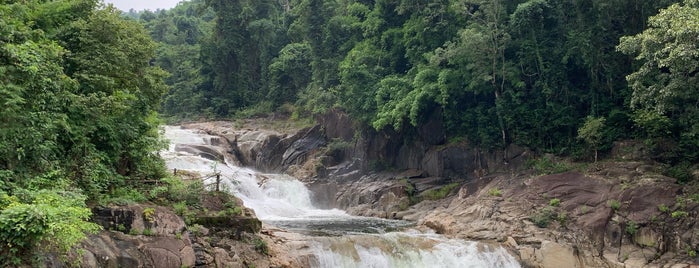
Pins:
x,y
266,150
613,215
153,236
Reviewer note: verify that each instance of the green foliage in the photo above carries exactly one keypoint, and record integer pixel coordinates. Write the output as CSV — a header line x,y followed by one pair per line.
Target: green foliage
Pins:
x,y
410,189
665,81
494,192
614,204
337,147
679,214
232,208
180,208
682,172
174,189
555,202
196,229
122,196
545,165
77,120
439,193
631,228
591,132
149,215
43,221
543,217
260,246
148,232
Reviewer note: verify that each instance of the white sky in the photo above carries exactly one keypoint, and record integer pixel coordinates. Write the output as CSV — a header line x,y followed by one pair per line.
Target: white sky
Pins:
x,y
138,5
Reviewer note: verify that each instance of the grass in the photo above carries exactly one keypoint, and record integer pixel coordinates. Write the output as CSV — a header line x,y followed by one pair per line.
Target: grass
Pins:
x,y
545,166
440,193
494,192
555,202
260,246
614,204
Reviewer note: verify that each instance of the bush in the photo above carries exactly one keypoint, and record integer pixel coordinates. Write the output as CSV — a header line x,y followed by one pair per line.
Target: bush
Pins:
x,y
122,196
543,217
555,202
50,220
441,193
682,172
494,192
413,198
175,189
631,228
614,204
260,246
545,165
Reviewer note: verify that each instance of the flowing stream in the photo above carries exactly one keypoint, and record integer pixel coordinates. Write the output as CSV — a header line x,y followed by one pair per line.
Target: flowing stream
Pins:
x,y
335,238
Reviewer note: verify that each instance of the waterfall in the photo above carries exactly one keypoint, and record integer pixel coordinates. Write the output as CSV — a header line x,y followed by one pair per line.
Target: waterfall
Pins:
x,y
335,239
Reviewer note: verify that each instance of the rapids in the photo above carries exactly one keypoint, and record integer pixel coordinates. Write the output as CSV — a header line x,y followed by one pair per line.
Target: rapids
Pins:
x,y
334,238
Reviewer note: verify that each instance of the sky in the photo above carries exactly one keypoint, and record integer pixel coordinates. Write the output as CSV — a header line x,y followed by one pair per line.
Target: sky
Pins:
x,y
138,5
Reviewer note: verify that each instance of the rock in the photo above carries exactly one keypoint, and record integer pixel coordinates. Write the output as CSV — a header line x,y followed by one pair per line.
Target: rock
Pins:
x,y
511,242
235,224
163,257
556,255
187,257
114,218
223,259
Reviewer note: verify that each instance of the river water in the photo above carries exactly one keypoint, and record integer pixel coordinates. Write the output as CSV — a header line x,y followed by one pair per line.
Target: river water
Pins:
x,y
333,237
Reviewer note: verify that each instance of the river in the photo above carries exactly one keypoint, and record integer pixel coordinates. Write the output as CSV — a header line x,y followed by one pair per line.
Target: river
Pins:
x,y
334,238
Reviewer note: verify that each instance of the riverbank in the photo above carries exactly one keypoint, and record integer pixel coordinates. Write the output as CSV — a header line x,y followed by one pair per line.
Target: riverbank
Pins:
x,y
617,213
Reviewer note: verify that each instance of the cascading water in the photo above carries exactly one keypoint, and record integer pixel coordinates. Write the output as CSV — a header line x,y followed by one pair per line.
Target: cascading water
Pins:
x,y
335,239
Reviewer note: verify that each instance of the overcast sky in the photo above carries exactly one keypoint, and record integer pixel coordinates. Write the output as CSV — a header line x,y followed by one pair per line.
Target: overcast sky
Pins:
x,y
138,5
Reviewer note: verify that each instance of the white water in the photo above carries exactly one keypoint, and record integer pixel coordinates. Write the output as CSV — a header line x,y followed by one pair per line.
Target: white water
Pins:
x,y
284,201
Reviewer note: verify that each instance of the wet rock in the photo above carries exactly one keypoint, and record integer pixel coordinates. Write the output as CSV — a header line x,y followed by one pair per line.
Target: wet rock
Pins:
x,y
234,224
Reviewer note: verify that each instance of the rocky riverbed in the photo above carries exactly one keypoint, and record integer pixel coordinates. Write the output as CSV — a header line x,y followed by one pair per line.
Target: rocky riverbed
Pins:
x,y
617,213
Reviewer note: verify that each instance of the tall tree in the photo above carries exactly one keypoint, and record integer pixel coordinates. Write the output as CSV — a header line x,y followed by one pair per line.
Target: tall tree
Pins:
x,y
666,84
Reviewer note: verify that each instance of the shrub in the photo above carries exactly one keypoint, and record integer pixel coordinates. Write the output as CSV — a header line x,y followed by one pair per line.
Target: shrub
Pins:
x,y
260,246
149,214
49,220
181,208
148,232
679,214
555,202
682,172
494,192
543,217
631,228
196,229
545,165
413,198
614,204
122,196
175,189
441,193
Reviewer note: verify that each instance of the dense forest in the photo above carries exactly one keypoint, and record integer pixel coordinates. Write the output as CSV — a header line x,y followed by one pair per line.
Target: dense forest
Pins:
x,y
556,76
78,119
81,85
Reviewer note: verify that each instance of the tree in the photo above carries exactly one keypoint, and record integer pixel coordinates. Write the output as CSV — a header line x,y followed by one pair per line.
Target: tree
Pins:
x,y
666,82
591,132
